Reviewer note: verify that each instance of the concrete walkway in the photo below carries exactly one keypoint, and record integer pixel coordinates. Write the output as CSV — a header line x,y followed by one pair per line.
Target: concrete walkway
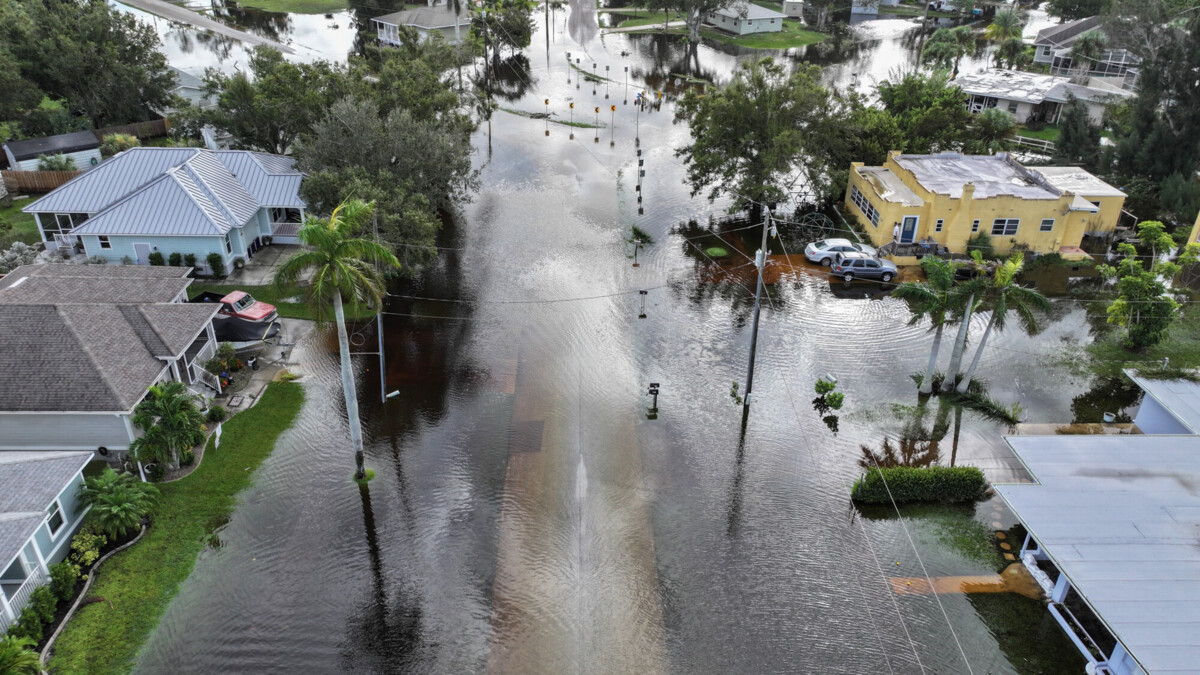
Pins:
x,y
187,16
260,270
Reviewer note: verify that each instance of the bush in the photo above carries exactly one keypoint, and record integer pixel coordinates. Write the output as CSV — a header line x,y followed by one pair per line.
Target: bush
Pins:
x,y
982,242
239,263
189,259
18,254
175,259
28,625
43,603
63,576
216,414
86,545
119,501
187,458
56,163
156,259
216,264
111,144
920,484
155,471
97,260
225,361
126,260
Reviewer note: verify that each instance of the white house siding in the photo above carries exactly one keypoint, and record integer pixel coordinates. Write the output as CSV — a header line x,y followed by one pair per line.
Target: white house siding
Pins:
x,y
745,26
63,431
793,8
83,160
1153,418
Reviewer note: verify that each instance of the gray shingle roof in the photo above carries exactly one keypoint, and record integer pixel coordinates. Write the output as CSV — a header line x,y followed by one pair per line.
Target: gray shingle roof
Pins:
x,y
89,357
90,273
49,290
1066,33
175,191
29,481
438,16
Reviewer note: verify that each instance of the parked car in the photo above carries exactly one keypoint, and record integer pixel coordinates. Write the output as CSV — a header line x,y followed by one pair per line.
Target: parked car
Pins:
x,y
823,251
240,304
855,265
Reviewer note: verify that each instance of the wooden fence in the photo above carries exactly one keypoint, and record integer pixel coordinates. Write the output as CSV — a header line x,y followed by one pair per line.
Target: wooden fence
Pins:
x,y
151,129
36,181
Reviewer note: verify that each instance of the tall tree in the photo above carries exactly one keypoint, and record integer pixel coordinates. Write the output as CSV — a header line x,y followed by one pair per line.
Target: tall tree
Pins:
x,y
170,421
964,300
947,47
991,128
1004,295
1069,10
1079,140
696,11
929,110
929,300
1085,52
1144,305
345,269
748,135
1007,24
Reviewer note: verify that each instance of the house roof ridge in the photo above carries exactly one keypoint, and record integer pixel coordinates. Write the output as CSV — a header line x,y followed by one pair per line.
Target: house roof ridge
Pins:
x,y
184,171
86,347
210,193
139,323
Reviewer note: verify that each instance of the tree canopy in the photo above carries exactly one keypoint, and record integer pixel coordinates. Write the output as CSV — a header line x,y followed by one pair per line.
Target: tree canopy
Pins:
x,y
1069,10
101,63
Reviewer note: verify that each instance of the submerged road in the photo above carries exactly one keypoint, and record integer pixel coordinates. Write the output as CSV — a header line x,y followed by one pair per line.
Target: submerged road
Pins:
x,y
196,20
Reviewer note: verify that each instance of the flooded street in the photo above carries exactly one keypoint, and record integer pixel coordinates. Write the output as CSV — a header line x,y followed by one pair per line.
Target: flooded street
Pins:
x,y
529,515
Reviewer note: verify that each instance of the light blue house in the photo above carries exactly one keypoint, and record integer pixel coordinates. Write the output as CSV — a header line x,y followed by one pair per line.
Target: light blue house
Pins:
x,y
175,200
39,512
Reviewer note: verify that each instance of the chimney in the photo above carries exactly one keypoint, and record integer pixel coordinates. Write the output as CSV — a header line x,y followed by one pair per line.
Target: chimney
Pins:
x,y
968,191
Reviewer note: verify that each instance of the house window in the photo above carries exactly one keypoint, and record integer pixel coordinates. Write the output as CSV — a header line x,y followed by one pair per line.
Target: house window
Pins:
x,y
974,225
228,244
104,242
1012,107
54,520
938,226
1047,225
864,206
63,220
1005,227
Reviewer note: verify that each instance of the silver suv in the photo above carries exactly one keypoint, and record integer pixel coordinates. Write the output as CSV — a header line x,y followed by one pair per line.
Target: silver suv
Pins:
x,y
850,266
823,251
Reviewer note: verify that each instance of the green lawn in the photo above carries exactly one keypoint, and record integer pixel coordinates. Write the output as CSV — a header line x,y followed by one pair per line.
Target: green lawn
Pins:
x,y
298,6
1106,356
794,34
634,17
139,583
24,226
1049,132
286,301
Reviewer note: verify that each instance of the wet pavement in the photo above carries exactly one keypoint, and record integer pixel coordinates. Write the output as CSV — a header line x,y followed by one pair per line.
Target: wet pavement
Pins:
x,y
529,515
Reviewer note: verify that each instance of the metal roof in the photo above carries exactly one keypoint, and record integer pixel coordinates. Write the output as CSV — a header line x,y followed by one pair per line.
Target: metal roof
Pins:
x,y
1120,517
174,191
1181,398
748,10
29,481
1075,179
52,145
438,16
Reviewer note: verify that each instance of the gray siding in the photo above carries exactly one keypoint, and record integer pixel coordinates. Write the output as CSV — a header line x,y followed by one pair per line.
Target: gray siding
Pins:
x,y
62,432
83,160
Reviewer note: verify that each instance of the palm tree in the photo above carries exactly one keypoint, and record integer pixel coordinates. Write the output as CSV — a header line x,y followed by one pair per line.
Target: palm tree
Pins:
x,y
171,422
1005,25
929,299
939,52
1004,295
118,501
17,656
1088,48
344,269
964,299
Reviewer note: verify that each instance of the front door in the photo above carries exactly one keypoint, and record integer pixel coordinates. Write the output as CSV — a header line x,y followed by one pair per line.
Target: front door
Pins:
x,y
142,252
908,231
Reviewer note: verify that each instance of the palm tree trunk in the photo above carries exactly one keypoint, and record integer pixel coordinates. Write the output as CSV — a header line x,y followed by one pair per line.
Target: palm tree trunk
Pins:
x,y
966,380
356,440
927,381
959,342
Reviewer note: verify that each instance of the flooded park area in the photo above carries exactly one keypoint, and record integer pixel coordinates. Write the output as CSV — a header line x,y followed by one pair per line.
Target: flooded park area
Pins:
x,y
530,512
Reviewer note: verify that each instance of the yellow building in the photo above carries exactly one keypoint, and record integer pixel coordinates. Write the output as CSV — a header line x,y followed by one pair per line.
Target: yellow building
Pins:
x,y
1194,238
950,197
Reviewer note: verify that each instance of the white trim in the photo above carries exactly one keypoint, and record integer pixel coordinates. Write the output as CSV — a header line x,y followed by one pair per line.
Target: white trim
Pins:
x,y
37,551
54,535
78,522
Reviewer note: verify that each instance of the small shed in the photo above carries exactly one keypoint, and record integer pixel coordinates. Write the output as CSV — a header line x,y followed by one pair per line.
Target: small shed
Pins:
x,y
746,18
793,8
82,146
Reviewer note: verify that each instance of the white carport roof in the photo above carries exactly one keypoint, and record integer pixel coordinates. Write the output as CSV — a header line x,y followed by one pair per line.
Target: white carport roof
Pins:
x,y
1120,517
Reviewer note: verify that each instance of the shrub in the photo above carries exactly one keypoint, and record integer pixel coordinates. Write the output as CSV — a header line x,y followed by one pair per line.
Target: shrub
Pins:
x,y
29,625
17,656
155,471
920,484
835,399
118,500
225,361
982,242
175,259
44,603
63,576
86,545
111,144
126,260
189,259
239,263
18,254
216,264
56,163
216,414
824,386
187,458
156,259
97,260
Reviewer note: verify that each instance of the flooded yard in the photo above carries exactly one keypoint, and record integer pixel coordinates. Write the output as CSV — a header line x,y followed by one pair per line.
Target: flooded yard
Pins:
x,y
530,515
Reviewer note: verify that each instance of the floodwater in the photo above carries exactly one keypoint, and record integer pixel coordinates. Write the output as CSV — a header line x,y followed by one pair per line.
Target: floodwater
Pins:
x,y
531,515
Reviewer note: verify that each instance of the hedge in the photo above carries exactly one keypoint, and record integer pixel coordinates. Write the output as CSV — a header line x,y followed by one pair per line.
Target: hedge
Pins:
x,y
920,484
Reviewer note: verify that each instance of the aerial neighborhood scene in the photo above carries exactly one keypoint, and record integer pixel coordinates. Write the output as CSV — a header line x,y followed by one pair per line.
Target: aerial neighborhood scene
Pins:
x,y
600,336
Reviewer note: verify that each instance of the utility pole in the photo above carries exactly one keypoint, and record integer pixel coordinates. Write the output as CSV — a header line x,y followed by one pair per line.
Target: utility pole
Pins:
x,y
760,261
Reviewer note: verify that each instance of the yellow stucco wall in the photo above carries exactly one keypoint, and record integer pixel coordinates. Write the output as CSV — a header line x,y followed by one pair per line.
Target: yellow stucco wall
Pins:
x,y
958,215
1194,237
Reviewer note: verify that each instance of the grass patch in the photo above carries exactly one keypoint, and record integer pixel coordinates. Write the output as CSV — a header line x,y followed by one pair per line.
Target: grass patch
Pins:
x,y
630,19
23,224
297,6
794,34
140,581
1049,132
716,252
289,309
